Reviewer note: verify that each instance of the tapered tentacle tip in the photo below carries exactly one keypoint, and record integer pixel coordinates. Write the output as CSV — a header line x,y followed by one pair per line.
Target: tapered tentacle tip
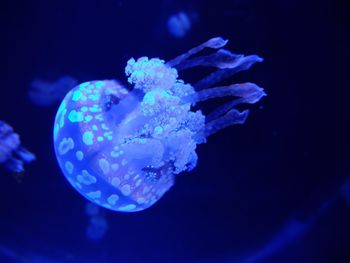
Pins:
x,y
259,59
232,117
255,58
256,96
238,117
217,42
250,92
260,90
25,155
14,165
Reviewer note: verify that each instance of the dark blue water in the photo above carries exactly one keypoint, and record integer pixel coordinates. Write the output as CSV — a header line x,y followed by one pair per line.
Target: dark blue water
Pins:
x,y
272,190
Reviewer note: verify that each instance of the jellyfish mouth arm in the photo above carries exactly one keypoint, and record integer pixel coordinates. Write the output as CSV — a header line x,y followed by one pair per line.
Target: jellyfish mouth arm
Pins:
x,y
215,43
248,92
225,61
232,117
220,111
227,115
226,64
239,64
220,59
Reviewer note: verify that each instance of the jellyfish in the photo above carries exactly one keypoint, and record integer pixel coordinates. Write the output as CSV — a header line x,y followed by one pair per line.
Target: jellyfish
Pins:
x,y
12,154
98,225
91,209
345,191
122,147
179,24
45,93
97,228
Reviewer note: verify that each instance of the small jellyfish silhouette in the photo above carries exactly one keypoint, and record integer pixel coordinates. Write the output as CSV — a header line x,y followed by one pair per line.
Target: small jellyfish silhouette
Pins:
x,y
45,93
98,225
91,209
345,191
97,228
179,24
122,148
12,154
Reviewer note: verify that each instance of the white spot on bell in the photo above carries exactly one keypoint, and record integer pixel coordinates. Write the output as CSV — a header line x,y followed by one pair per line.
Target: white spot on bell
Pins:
x,y
86,178
112,199
65,146
88,138
126,190
104,166
115,166
115,181
127,208
94,195
79,155
69,167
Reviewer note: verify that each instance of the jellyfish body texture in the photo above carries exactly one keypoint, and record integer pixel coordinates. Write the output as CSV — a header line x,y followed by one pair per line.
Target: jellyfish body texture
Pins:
x,y
122,148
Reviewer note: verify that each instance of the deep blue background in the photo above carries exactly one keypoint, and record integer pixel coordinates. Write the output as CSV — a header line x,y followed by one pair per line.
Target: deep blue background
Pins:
x,y
286,163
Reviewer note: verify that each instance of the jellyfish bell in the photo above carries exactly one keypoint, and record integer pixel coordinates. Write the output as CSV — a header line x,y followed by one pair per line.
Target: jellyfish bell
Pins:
x,y
122,148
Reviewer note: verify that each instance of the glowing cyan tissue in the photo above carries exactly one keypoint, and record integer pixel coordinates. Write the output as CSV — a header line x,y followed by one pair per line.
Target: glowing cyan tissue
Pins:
x,y
122,149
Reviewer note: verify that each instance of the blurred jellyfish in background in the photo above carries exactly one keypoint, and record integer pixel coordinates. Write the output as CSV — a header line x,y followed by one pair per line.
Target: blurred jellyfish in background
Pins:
x,y
122,149
46,93
180,24
345,191
91,209
97,228
98,225
296,227
15,254
289,233
12,154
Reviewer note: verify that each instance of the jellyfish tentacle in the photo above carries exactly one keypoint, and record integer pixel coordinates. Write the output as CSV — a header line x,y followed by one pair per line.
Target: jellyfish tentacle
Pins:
x,y
227,115
220,59
232,117
249,91
249,97
227,62
241,63
14,165
228,106
215,43
25,155
222,110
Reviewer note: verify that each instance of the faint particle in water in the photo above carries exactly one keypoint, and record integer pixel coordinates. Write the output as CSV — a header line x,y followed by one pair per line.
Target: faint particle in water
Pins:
x,y
45,93
12,154
127,147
